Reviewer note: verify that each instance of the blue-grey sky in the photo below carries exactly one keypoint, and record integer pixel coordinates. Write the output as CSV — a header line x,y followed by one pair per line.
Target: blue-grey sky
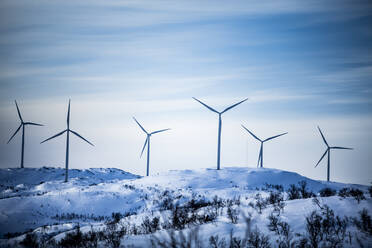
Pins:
x,y
300,63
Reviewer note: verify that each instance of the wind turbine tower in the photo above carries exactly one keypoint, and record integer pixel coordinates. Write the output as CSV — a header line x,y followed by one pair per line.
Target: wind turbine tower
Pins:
x,y
260,156
147,142
328,151
22,125
67,131
219,125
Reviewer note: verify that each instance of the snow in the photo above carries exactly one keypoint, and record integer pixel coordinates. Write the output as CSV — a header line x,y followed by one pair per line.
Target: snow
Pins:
x,y
36,198
26,177
247,178
31,196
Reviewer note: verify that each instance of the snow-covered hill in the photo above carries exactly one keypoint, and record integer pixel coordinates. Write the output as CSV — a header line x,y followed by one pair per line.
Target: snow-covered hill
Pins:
x,y
233,177
31,198
27,177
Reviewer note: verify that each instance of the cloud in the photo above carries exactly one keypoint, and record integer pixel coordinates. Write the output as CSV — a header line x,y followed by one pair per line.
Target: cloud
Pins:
x,y
351,100
274,96
347,75
129,14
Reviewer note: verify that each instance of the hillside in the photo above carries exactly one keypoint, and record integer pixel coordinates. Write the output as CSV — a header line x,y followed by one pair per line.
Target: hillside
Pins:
x,y
31,198
233,177
12,177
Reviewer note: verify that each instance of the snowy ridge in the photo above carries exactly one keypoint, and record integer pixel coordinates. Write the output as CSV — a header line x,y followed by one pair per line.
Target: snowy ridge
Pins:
x,y
21,178
242,177
33,198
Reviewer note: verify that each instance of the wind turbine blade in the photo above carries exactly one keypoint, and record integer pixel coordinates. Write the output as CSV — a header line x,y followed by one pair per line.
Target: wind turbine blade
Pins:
x,y
205,105
254,136
140,125
32,123
68,113
19,113
322,157
339,147
81,137
232,106
323,137
160,131
14,133
58,134
144,146
276,136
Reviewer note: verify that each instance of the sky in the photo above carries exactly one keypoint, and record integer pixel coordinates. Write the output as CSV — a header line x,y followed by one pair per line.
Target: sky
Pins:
x,y
300,63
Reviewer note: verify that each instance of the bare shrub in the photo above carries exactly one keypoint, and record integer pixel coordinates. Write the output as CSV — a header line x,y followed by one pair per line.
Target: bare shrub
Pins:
x,y
327,192
178,239
150,226
259,204
363,223
300,192
351,192
232,213
216,242
283,230
30,240
112,235
325,229
72,239
276,199
293,192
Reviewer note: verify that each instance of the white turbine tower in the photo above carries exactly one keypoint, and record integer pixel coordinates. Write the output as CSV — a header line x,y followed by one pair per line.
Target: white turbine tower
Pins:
x,y
260,156
22,125
219,125
68,131
328,151
147,142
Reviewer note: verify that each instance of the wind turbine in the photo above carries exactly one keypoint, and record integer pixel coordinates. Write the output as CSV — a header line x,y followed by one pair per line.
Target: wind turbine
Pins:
x,y
329,153
22,125
260,156
67,131
219,125
147,142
